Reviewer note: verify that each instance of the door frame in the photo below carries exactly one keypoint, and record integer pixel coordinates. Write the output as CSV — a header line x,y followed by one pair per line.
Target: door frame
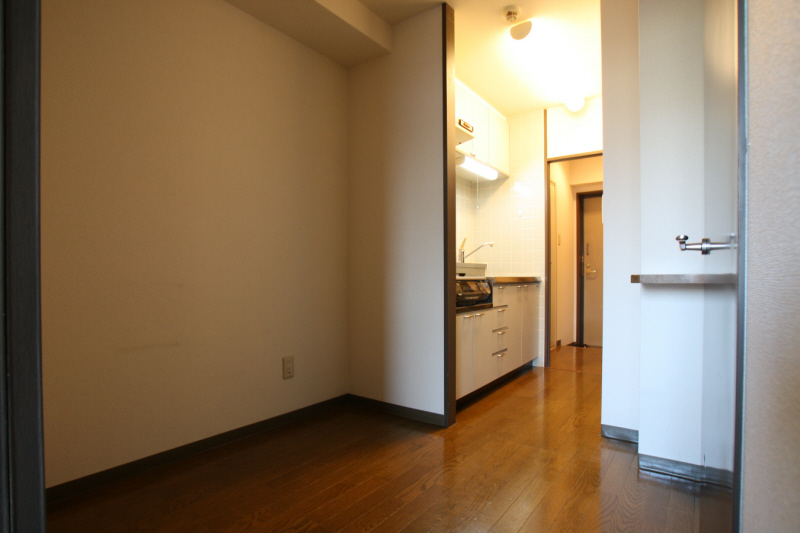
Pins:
x,y
579,302
547,285
741,278
22,442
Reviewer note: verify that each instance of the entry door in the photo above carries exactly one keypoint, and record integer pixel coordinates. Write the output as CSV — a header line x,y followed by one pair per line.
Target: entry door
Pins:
x,y
592,252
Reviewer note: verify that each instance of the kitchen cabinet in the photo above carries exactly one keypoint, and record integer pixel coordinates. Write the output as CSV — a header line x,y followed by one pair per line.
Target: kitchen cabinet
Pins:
x,y
477,345
530,322
491,142
498,141
480,119
483,342
490,343
511,295
464,111
464,347
522,300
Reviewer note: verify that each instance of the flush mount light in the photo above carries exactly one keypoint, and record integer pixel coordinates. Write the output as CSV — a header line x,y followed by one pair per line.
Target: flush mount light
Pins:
x,y
484,171
521,30
574,103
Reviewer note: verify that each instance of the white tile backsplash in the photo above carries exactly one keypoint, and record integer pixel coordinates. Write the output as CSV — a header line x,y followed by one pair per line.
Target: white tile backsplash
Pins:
x,y
512,218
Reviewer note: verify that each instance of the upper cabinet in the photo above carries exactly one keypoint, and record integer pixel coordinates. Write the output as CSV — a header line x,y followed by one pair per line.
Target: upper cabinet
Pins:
x,y
498,141
491,143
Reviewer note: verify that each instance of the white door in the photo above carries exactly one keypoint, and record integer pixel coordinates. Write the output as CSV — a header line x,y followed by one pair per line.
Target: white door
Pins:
x,y
720,199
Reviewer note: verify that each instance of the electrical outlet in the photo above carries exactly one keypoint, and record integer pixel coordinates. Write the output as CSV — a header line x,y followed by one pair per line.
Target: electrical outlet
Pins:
x,y
288,367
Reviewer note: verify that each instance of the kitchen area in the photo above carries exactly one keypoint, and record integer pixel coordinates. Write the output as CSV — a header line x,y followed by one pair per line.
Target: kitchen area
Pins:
x,y
500,238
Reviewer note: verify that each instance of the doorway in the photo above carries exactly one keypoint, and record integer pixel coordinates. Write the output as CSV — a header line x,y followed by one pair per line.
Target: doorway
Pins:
x,y
570,179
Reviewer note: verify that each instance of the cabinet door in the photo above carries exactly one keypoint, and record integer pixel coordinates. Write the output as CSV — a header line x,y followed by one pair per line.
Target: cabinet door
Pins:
x,y
498,142
464,111
480,118
464,350
530,322
483,360
504,363
511,295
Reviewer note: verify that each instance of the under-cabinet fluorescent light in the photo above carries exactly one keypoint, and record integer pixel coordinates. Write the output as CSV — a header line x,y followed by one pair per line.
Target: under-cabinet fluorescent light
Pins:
x,y
484,171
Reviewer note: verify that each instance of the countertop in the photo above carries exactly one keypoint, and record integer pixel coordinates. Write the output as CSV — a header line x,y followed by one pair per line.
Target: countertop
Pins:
x,y
517,279
477,307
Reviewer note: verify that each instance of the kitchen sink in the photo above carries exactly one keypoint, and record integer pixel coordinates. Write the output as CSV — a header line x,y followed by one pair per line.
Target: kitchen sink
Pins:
x,y
471,269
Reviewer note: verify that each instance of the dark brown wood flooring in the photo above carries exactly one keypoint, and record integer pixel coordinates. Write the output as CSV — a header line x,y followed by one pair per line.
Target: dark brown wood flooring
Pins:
x,y
527,457
577,359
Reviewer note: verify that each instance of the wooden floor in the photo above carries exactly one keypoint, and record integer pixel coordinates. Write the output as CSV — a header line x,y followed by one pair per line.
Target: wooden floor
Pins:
x,y
528,457
577,359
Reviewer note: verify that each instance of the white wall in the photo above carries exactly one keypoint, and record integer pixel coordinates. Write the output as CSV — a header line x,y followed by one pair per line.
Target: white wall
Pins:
x,y
526,135
396,232
771,499
571,133
621,213
185,217
688,184
672,202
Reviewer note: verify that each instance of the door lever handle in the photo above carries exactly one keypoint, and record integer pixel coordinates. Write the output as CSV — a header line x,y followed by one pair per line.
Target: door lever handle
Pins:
x,y
705,245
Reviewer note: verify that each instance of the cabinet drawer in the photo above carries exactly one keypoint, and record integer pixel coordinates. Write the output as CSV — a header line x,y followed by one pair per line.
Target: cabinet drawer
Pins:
x,y
500,318
499,340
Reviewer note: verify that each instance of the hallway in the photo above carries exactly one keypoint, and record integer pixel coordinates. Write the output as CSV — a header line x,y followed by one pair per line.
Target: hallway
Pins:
x,y
527,457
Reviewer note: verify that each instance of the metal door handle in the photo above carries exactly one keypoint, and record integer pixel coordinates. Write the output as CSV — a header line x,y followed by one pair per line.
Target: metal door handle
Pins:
x,y
705,245
478,314
588,265
467,316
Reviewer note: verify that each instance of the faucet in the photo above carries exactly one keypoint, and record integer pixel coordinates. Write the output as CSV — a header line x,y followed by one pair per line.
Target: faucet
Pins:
x,y
463,257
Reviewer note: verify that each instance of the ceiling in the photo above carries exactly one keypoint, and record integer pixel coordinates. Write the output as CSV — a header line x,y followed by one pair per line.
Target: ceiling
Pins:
x,y
558,60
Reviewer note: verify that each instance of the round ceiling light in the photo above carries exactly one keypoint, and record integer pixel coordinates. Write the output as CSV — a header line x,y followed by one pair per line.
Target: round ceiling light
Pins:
x,y
521,30
574,103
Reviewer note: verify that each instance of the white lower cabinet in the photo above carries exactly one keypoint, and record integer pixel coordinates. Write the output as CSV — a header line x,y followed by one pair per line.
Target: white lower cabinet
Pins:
x,y
464,372
481,349
483,340
522,318
492,342
511,295
530,322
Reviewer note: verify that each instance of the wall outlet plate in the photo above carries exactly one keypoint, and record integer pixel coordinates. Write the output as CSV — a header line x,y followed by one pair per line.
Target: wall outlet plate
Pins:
x,y
288,367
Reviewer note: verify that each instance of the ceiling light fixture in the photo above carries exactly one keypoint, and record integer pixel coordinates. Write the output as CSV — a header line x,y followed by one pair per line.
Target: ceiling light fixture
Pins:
x,y
484,171
521,30
574,103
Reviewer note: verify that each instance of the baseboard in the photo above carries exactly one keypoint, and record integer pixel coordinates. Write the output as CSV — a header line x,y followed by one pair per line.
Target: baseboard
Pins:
x,y
399,410
489,387
616,433
698,473
58,493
